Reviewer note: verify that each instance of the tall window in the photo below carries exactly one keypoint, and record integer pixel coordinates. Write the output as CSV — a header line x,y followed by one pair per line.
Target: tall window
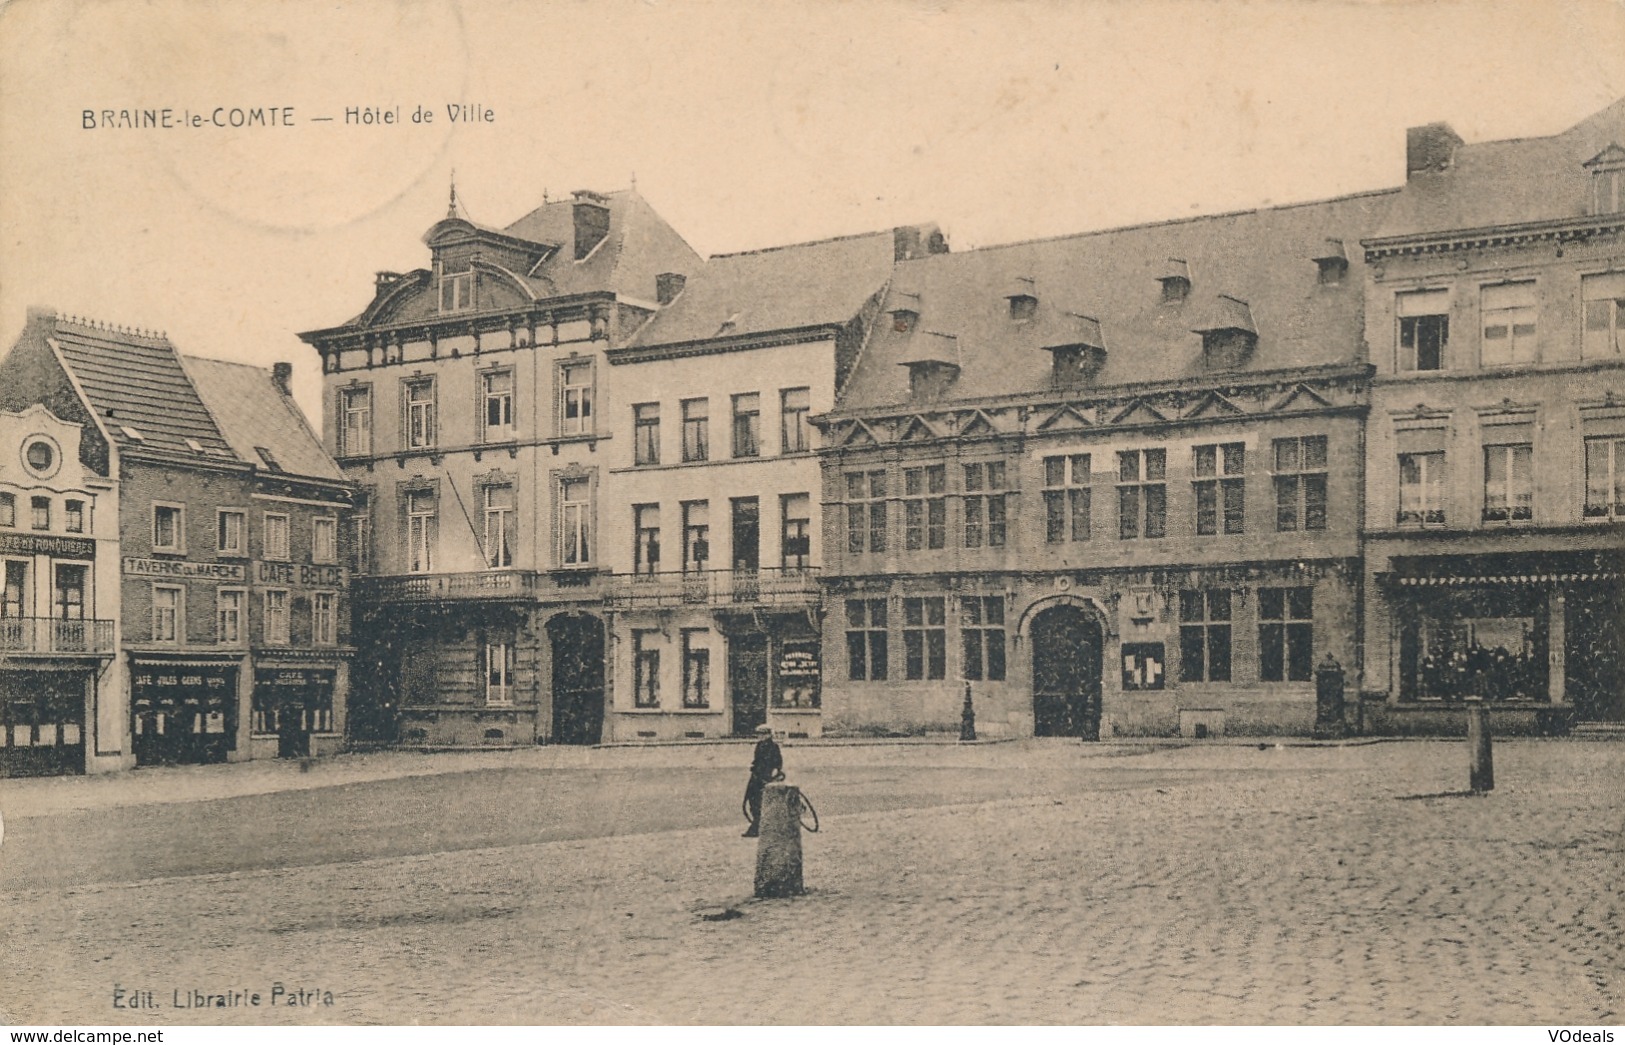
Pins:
x,y
422,526
696,429
575,398
1422,489
40,510
1424,330
276,616
866,640
324,628
361,542
747,426
795,534
575,522
1204,635
15,601
8,509
1066,498
324,539
420,414
456,291
1509,485
696,535
646,538
276,536
866,511
231,532
1604,297
1220,487
68,597
645,669
73,516
1142,494
925,638
1300,482
984,505
496,390
981,628
167,613
696,668
1508,312
1605,478
646,433
795,433
355,421
500,506
168,528
499,673
1286,634
229,616
925,508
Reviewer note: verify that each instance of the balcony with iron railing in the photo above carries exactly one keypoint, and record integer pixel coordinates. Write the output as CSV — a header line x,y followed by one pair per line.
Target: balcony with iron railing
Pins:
x,y
476,585
790,587
48,636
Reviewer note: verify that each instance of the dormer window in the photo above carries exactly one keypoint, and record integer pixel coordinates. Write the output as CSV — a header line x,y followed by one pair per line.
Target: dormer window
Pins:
x,y
933,364
928,381
1175,280
1077,351
1229,337
1608,180
1023,299
456,291
1333,263
903,320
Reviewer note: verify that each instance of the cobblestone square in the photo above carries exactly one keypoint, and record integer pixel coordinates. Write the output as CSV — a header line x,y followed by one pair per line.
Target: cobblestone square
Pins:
x,y
1030,882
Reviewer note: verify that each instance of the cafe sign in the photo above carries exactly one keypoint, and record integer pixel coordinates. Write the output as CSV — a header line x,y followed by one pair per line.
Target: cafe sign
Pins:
x,y
38,544
182,569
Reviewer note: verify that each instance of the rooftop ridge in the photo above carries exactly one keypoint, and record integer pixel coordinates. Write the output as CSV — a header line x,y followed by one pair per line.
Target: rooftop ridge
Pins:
x,y
804,243
98,328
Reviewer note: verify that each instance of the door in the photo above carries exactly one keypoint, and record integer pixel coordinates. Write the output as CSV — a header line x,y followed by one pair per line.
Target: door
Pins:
x,y
747,681
578,678
1066,674
747,548
1595,654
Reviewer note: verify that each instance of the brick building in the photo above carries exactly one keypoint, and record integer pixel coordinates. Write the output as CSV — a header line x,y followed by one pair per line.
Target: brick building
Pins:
x,y
232,589
1495,465
1111,481
467,402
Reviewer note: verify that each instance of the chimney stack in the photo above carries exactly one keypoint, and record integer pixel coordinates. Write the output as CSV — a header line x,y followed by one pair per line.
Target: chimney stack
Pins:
x,y
1430,147
282,377
591,211
668,285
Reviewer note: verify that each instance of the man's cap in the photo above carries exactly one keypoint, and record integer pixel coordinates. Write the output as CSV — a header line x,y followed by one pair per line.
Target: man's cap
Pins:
x,y
764,729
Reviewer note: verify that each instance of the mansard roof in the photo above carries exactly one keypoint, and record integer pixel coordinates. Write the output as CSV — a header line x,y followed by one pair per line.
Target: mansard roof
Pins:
x,y
1261,257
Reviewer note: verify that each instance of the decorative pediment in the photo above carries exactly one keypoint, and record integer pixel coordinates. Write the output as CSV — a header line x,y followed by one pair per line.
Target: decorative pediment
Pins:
x,y
1067,418
916,429
1301,397
1213,405
1139,412
978,423
1612,156
495,477
858,434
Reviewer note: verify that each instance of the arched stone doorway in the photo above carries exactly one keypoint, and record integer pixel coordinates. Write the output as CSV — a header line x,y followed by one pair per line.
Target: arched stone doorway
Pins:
x,y
578,678
1066,646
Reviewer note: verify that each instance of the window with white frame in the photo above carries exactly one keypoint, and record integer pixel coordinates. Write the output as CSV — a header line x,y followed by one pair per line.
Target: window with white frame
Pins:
x,y
355,421
498,506
795,533
646,669
421,425
324,539
747,424
422,528
168,528
496,393
456,291
1422,488
499,673
276,616
575,522
696,535
1605,478
575,398
646,433
795,432
696,668
1508,312
168,613
696,429
40,512
230,605
1066,498
1220,488
73,515
1604,297
8,509
1509,482
324,618
276,535
68,594
15,601
231,532
645,539
1608,189
1424,330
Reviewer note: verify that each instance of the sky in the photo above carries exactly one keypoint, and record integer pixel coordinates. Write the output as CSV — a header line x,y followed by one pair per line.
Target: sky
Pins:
x,y
745,124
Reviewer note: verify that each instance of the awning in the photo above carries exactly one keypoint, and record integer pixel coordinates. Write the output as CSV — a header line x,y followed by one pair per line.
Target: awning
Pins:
x,y
1462,581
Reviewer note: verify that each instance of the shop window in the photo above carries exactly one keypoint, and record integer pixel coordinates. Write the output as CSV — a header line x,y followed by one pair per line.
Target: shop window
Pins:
x,y
324,539
1204,635
498,674
925,638
1220,488
795,537
696,668
1142,494
696,429
575,398
1422,488
231,532
981,629
925,507
645,539
575,522
421,426
167,613
73,516
1448,656
324,618
1508,314
355,421
795,431
866,640
1300,482
646,433
276,536
1066,498
865,512
798,674
1143,665
1604,297
499,509
1605,478
747,424
1509,484
1424,330
645,669
985,505
168,528
1286,634
276,617
229,607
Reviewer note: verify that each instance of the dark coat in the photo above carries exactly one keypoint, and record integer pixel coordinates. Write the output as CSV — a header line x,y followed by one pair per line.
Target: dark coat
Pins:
x,y
767,761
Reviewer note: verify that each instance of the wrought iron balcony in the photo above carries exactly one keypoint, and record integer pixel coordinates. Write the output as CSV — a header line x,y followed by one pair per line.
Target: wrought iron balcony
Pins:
x,y
790,587
45,636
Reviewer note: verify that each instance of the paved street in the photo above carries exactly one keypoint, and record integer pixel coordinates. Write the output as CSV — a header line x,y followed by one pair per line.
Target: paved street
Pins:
x,y
1023,882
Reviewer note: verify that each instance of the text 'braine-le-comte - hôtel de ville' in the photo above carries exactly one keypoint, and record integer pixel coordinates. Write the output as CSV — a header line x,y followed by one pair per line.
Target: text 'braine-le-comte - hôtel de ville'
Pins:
x,y
580,485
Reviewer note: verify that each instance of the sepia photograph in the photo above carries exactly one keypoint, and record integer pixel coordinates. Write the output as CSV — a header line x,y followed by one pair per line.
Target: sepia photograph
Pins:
x,y
699,513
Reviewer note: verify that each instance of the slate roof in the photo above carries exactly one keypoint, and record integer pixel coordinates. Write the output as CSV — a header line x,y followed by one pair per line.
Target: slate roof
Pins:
x,y
1264,258
1512,182
780,288
252,413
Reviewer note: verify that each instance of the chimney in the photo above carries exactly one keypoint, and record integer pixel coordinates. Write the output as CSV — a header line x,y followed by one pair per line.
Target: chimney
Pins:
x,y
591,210
668,285
1429,148
282,377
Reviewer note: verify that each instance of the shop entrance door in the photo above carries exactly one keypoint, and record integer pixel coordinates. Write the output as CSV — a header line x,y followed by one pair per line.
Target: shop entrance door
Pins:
x,y
747,681
578,678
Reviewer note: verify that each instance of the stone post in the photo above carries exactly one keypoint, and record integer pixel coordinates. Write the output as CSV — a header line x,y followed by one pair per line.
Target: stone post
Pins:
x,y
1480,764
778,851
967,718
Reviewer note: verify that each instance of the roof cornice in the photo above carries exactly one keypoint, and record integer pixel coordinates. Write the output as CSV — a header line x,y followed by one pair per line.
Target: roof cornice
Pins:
x,y
1560,229
718,345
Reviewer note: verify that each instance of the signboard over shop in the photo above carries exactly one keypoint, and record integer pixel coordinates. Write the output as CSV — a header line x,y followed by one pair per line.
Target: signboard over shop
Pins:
x,y
180,568
798,663
294,678
36,544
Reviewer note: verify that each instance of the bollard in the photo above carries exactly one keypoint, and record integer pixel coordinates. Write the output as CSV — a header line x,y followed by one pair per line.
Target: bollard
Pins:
x,y
1329,698
1481,764
967,718
778,851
